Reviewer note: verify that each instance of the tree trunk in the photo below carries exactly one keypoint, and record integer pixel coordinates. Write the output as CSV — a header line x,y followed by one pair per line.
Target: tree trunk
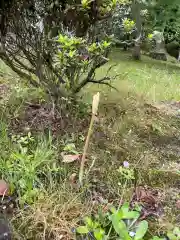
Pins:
x,y
136,54
179,56
136,8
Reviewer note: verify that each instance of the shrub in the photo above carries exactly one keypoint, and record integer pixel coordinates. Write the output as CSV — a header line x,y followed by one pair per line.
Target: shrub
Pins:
x,y
77,61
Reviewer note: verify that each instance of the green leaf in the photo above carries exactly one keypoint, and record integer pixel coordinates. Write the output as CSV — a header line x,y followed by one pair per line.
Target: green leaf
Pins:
x,y
126,214
82,230
157,238
125,207
171,236
176,231
99,234
89,222
141,230
120,227
113,210
131,215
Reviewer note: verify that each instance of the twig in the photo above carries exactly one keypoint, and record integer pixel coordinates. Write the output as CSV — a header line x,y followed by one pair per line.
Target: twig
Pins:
x,y
122,195
92,164
110,68
105,83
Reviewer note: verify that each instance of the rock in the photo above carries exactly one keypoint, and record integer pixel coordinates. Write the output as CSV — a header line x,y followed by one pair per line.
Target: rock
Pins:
x,y
158,51
158,55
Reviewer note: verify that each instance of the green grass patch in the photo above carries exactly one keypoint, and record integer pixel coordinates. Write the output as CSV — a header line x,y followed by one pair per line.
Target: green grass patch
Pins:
x,y
154,80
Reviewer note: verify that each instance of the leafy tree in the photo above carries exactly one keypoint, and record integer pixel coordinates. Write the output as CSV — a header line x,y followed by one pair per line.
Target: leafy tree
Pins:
x,y
128,21
172,32
123,27
165,17
148,16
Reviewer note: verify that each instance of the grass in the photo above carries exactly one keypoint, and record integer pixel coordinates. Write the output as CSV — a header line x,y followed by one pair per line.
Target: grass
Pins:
x,y
154,80
129,128
53,215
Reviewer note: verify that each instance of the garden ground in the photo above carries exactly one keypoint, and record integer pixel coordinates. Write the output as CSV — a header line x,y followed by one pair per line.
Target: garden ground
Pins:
x,y
138,124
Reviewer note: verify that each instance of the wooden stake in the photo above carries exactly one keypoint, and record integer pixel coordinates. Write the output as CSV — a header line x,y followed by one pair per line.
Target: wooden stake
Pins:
x,y
95,105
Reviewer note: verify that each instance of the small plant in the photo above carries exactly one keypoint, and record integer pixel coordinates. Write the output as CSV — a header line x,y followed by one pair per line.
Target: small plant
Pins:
x,y
27,165
70,148
119,224
23,140
126,173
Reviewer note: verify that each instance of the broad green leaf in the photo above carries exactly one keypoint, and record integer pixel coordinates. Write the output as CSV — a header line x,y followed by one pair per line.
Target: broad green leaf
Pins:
x,y
131,215
82,230
120,227
99,234
89,222
128,214
125,207
141,230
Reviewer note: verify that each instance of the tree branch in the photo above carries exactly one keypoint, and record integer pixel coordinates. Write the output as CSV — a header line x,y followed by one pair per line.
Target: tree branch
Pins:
x,y
105,83
22,74
90,74
31,70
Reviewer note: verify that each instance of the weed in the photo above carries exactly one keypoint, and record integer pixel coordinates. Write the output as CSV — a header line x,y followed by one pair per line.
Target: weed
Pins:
x,y
27,165
70,148
117,224
121,223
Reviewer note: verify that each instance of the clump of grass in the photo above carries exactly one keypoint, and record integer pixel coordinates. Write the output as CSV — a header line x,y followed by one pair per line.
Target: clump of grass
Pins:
x,y
54,215
27,164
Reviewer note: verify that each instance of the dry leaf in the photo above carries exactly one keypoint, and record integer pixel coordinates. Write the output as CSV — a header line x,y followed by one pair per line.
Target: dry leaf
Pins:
x,y
70,158
4,188
178,204
145,195
95,103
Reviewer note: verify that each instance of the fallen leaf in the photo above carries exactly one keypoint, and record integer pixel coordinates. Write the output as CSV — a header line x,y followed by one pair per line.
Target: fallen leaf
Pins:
x,y
178,204
4,188
145,195
61,237
70,158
